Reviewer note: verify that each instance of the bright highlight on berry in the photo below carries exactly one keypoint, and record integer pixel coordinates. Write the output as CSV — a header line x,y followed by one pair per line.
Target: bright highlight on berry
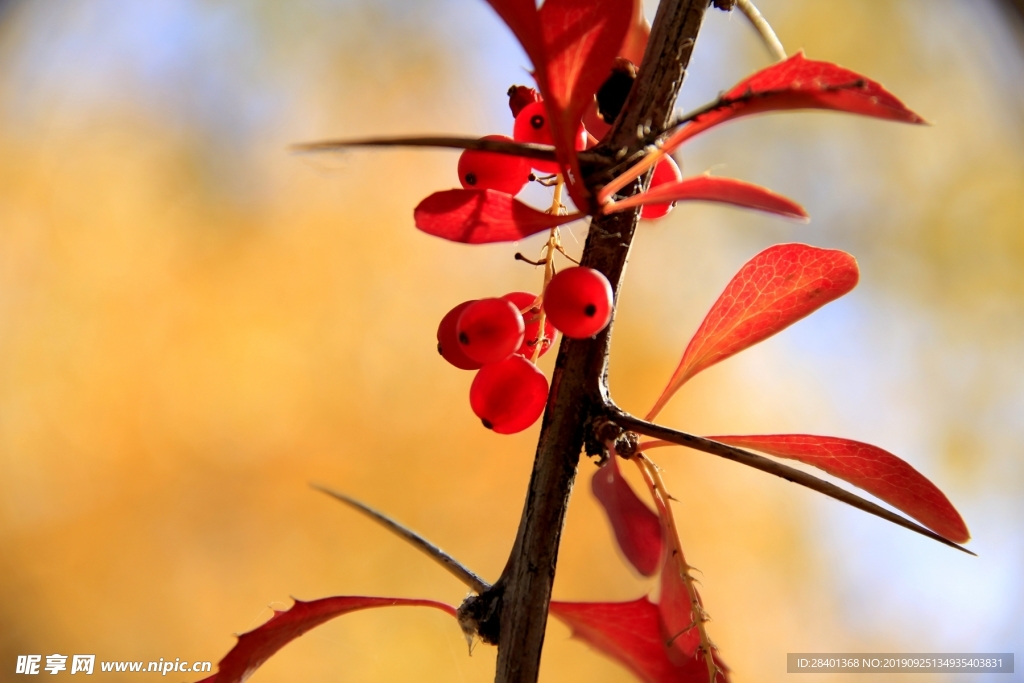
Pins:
x,y
492,171
522,301
448,340
490,330
509,396
578,302
665,171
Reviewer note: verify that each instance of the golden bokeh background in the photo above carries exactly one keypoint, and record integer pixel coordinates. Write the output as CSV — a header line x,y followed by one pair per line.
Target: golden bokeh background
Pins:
x,y
195,324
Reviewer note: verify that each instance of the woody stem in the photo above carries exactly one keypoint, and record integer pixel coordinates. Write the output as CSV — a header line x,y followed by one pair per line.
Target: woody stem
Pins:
x,y
579,383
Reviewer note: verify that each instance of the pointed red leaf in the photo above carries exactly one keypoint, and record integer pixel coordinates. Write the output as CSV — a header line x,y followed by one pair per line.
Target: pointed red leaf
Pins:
x,y
711,189
482,216
678,622
630,633
257,646
800,83
637,528
878,472
572,44
581,40
632,49
773,290
635,44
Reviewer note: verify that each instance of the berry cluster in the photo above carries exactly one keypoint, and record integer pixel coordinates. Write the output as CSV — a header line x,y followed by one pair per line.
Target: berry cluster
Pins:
x,y
506,173
502,338
482,170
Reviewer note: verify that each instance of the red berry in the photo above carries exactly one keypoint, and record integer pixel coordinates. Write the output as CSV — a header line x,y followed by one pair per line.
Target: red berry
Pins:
x,y
519,96
522,301
532,126
490,330
665,171
493,171
578,302
509,396
448,340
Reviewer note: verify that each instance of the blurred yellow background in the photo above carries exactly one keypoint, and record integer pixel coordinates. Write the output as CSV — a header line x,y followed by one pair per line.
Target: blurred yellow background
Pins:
x,y
195,324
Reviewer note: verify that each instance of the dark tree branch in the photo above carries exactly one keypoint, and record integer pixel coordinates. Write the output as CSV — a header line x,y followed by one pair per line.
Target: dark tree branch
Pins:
x,y
456,568
759,462
579,383
1015,8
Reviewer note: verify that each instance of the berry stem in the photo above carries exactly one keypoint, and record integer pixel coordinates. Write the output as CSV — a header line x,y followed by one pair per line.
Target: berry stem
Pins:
x,y
557,208
541,337
553,244
549,272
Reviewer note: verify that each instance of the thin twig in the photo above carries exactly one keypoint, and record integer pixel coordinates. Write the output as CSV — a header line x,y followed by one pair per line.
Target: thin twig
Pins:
x,y
771,40
759,462
456,568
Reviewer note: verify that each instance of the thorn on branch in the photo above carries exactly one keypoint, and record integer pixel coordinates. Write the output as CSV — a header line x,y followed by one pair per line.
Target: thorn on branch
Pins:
x,y
520,149
456,568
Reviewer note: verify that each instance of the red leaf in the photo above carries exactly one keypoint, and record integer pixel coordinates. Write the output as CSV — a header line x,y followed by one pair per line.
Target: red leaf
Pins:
x,y
773,290
637,528
675,610
630,633
633,49
878,472
257,646
481,216
572,44
711,189
796,83
800,83
581,40
678,622
635,44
